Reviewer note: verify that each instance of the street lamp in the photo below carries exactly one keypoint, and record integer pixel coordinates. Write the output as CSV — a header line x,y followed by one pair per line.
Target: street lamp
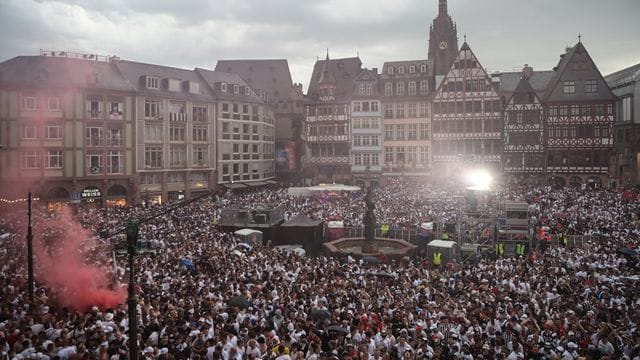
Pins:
x,y
132,242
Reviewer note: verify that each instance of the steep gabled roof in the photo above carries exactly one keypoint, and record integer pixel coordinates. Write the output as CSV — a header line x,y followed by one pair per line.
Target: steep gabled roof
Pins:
x,y
367,76
270,75
136,72
576,64
345,71
539,81
211,78
465,47
62,72
523,87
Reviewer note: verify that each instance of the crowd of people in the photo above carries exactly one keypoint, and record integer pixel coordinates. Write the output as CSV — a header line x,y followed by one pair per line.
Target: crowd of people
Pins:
x,y
237,303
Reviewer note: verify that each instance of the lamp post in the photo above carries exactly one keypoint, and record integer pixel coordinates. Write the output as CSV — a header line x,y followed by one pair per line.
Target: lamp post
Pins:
x,y
132,242
30,253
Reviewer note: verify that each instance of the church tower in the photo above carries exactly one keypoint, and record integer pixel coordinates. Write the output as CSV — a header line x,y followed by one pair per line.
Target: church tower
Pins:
x,y
443,41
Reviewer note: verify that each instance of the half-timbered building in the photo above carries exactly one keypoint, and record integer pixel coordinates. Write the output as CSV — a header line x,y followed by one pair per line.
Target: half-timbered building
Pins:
x,y
579,114
467,120
328,113
523,152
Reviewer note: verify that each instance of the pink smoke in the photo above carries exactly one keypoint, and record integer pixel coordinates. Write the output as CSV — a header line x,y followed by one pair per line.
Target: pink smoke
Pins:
x,y
61,266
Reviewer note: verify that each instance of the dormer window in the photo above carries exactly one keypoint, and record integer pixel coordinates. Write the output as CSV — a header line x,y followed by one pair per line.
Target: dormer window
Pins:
x,y
194,87
247,91
412,69
174,85
223,87
236,89
390,70
152,82
401,70
423,68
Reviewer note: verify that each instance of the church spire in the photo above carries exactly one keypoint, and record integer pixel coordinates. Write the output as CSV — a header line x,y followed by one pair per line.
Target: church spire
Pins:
x,y
442,7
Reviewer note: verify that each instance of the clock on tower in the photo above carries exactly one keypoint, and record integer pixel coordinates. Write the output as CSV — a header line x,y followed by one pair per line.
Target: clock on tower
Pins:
x,y
443,45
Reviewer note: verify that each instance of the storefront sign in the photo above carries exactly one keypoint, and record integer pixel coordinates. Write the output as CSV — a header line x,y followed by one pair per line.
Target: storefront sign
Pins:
x,y
91,193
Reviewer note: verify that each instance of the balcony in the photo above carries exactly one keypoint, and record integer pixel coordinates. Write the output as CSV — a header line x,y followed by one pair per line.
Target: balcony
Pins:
x,y
180,117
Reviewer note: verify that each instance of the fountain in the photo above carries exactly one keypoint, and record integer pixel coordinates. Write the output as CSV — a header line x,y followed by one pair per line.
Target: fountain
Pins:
x,y
369,244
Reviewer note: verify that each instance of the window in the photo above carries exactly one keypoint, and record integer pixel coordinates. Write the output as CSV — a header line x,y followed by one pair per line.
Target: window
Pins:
x,y
153,109
424,131
174,85
223,87
200,155
175,178
247,91
53,104
153,132
152,156
569,87
94,136
28,132
177,156
151,179
424,154
177,111
411,110
388,89
388,111
400,154
412,132
564,110
225,111
199,113
115,162
585,110
388,154
94,163
626,108
94,106
399,114
412,88
575,110
52,132
236,111
357,140
236,89
374,106
400,132
29,103
591,86
176,133
356,106
361,89
29,160
369,90
199,133
424,109
424,87
388,132
553,110
390,71
399,88
116,108
412,69
53,159
114,136
357,159
152,82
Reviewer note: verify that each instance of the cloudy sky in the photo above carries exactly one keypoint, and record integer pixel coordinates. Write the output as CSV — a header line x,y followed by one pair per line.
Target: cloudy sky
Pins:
x,y
504,34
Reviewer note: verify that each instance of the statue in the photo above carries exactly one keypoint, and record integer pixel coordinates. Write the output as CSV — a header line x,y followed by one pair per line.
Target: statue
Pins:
x,y
369,221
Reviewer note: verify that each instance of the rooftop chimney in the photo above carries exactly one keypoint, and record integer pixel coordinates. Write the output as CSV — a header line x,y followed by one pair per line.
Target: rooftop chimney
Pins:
x,y
527,71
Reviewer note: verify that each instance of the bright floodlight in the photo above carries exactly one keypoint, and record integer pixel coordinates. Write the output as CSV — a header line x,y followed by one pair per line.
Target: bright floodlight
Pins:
x,y
479,180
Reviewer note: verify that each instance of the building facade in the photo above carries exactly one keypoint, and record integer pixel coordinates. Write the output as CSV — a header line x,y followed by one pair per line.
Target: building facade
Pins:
x,y
579,118
523,128
626,157
271,80
175,134
246,141
467,118
67,130
406,112
327,156
366,134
